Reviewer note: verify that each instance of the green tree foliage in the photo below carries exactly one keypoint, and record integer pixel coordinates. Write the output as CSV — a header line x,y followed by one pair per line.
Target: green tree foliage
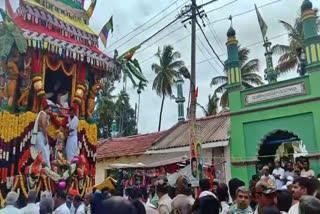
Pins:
x,y
249,74
110,107
125,115
167,70
212,106
105,109
288,53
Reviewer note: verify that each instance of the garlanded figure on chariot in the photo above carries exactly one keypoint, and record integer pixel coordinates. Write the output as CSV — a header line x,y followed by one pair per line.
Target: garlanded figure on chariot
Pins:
x,y
51,72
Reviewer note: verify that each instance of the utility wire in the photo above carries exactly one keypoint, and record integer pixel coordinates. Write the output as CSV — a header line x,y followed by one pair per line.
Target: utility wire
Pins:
x,y
139,27
245,12
215,53
218,8
143,31
215,35
215,21
171,32
203,52
253,44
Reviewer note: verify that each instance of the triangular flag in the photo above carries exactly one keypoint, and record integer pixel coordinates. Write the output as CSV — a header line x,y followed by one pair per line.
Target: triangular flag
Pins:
x,y
262,24
104,33
91,8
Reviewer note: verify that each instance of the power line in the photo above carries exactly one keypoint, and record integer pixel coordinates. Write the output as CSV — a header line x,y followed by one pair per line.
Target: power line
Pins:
x,y
203,52
143,31
171,32
215,53
143,23
218,8
253,44
215,21
243,13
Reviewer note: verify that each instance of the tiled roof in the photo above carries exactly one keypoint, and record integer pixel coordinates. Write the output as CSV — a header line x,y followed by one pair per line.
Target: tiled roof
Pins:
x,y
212,129
126,146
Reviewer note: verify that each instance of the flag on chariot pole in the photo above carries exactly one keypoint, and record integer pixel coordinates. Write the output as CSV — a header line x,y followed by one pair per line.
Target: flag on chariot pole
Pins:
x,y
262,24
91,8
105,31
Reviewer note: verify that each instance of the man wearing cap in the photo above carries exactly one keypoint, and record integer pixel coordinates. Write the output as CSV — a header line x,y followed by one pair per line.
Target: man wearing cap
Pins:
x,y
72,141
266,194
11,201
242,202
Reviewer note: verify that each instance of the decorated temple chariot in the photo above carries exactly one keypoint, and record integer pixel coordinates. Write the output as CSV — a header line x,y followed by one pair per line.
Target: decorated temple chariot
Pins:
x,y
51,71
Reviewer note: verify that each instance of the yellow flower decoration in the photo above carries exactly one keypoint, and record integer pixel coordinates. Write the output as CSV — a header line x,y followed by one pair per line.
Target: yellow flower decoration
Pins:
x,y
12,126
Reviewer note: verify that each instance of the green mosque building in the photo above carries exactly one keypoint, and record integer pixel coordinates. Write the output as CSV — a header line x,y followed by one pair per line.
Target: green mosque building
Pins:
x,y
278,119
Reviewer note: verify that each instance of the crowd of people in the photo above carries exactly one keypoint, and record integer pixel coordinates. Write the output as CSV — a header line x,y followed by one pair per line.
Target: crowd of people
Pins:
x,y
283,191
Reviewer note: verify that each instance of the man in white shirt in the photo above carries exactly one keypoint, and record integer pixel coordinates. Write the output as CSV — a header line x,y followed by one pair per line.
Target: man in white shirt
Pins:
x,y
164,203
11,201
266,174
183,188
60,203
78,206
72,141
31,207
301,187
307,172
278,174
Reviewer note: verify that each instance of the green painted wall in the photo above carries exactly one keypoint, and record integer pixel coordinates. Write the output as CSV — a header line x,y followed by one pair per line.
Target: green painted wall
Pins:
x,y
249,128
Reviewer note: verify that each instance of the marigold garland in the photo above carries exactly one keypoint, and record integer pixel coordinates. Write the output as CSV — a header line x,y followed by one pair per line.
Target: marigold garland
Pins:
x,y
16,182
39,187
23,188
45,182
84,188
2,199
91,131
12,126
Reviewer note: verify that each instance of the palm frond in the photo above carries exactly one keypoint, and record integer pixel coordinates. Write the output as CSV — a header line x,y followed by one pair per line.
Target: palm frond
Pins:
x,y
156,68
218,80
252,78
288,27
280,49
288,65
250,67
247,85
221,89
176,64
224,99
243,55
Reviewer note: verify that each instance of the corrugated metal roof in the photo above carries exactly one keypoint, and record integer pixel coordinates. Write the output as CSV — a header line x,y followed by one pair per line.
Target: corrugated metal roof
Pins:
x,y
212,129
126,146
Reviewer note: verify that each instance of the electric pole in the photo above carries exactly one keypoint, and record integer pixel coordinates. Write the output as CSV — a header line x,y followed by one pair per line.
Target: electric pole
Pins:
x,y
193,62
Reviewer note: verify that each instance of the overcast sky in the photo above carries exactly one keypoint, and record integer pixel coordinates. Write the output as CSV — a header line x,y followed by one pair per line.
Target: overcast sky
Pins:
x,y
129,14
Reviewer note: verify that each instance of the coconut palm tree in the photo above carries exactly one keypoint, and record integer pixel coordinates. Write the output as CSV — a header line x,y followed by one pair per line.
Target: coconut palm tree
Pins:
x,y
105,108
212,106
169,68
141,86
288,59
249,74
